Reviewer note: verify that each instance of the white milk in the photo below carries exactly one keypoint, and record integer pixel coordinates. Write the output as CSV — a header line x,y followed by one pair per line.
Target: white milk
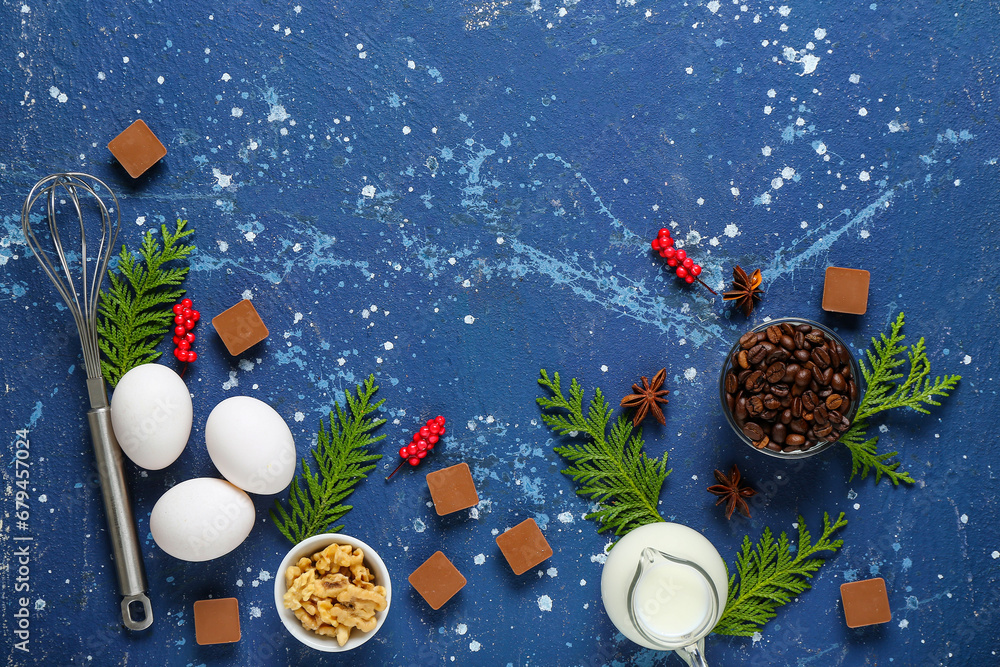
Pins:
x,y
672,600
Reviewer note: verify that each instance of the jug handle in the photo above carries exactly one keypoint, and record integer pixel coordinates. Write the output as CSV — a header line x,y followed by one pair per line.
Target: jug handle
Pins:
x,y
693,656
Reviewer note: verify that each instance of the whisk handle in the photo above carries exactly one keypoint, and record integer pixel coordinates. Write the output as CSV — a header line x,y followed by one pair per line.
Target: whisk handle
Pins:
x,y
121,523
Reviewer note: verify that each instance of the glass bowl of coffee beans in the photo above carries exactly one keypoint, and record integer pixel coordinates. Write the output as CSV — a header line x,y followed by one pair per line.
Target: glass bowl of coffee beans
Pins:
x,y
790,387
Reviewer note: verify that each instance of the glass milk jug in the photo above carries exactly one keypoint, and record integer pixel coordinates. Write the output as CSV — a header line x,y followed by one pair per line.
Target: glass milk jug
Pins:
x,y
664,586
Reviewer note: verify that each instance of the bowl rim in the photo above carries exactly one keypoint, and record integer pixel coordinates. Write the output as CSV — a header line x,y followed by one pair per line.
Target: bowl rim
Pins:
x,y
727,364
307,547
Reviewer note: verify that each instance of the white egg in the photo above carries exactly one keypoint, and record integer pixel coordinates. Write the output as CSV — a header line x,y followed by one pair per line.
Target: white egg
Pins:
x,y
201,519
251,445
151,415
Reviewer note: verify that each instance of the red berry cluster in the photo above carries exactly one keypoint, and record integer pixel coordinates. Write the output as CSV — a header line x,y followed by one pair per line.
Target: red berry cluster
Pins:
x,y
185,318
422,443
677,258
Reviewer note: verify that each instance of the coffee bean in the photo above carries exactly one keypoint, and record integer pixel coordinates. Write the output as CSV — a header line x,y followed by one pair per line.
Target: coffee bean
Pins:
x,y
821,357
802,377
730,402
742,376
801,355
777,354
769,415
846,371
816,337
842,353
809,401
773,446
820,414
748,340
797,408
790,371
741,408
787,329
786,417
755,406
762,443
799,426
742,359
774,334
800,341
757,354
787,342
780,390
834,401
771,402
804,328
795,440
755,382
731,384
778,433
823,431
852,389
826,391
817,375
775,372
807,417
753,431
835,416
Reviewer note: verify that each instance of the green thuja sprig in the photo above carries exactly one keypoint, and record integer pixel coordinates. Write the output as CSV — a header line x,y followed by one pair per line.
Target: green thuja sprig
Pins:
x,y
611,467
136,312
771,574
342,460
884,393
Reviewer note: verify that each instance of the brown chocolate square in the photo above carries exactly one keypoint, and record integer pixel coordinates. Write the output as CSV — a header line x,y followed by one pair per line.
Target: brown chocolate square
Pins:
x,y
846,290
217,621
452,489
437,580
865,602
137,148
524,546
240,327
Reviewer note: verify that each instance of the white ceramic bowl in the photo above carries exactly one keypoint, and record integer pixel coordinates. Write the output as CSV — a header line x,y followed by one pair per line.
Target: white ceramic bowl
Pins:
x,y
307,548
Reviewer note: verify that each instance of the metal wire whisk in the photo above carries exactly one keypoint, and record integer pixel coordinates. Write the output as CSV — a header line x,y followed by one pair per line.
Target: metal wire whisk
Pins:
x,y
80,289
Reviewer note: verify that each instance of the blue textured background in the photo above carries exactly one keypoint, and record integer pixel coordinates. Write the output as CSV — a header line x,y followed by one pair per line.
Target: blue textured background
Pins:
x,y
472,184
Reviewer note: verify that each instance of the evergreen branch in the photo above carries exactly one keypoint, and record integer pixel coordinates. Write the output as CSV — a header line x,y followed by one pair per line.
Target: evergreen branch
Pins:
x,y
771,574
136,312
611,469
883,392
342,460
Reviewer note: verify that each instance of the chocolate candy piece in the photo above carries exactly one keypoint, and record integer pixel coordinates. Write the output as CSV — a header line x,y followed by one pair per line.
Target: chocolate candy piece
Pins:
x,y
137,148
524,546
437,580
217,621
452,489
846,290
865,602
240,327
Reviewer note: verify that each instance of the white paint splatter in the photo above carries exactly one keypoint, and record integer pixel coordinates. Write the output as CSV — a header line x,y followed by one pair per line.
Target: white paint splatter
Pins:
x,y
756,637
25,9
545,603
300,416
787,172
964,518
864,176
223,180
297,318
469,319
565,517
277,113
255,612
56,94
862,112
966,360
776,183
479,559
236,112
854,78
904,624
604,368
864,233
406,129
225,76
736,192
731,230
419,526
809,63
233,381
461,628
387,345
820,148
766,151
995,554
894,126
552,572
784,10
368,191
474,646
690,374
819,33
713,6
250,236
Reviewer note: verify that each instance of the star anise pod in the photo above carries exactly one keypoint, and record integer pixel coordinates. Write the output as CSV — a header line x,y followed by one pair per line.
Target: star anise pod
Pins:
x,y
730,492
647,398
746,291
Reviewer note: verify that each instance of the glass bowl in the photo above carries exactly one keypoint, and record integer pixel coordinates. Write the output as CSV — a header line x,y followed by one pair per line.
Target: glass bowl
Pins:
x,y
814,445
